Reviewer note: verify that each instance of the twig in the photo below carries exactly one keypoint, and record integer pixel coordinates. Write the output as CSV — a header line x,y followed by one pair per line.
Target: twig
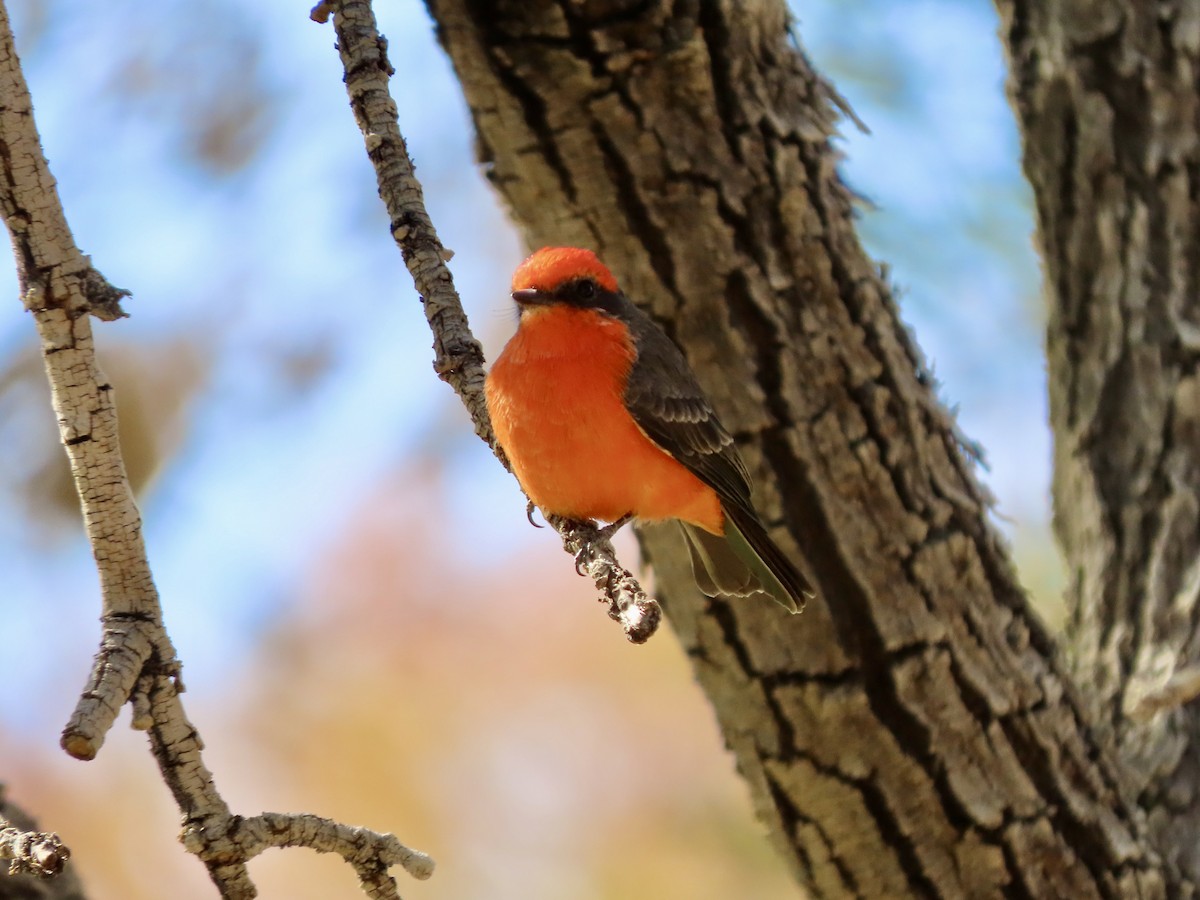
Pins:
x,y
38,860
136,659
39,853
370,853
458,358
628,604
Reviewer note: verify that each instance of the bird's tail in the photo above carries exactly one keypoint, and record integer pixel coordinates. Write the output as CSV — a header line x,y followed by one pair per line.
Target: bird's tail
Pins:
x,y
744,562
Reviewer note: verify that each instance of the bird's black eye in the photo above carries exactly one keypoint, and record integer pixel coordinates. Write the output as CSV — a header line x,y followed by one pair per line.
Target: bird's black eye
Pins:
x,y
585,290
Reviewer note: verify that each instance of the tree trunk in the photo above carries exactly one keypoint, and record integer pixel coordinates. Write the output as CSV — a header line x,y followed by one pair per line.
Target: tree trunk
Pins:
x,y
912,733
1108,102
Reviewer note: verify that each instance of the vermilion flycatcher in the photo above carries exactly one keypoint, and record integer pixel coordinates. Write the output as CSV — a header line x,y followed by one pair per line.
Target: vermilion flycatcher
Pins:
x,y
602,418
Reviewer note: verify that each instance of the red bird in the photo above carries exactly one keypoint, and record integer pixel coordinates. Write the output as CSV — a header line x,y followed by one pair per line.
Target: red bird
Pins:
x,y
602,418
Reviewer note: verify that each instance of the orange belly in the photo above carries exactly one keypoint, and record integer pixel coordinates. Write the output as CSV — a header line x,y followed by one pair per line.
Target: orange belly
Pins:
x,y
555,396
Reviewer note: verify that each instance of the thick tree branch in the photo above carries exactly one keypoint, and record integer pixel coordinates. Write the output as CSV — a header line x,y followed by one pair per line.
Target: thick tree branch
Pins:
x,y
458,358
1110,114
136,659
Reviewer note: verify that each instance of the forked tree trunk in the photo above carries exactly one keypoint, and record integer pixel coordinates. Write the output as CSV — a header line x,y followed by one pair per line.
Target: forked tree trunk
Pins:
x,y
911,734
1108,96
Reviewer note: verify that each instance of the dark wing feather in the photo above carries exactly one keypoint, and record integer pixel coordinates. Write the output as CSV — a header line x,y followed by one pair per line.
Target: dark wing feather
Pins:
x,y
668,404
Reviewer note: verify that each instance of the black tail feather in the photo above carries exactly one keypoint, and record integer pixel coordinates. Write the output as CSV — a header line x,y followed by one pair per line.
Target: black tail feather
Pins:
x,y
781,569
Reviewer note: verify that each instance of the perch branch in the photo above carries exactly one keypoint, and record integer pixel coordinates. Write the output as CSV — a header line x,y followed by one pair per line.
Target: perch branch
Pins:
x,y
458,357
136,660
595,558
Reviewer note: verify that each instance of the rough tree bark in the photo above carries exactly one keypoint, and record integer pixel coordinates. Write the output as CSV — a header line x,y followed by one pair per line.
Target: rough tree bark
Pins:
x,y
912,734
1107,98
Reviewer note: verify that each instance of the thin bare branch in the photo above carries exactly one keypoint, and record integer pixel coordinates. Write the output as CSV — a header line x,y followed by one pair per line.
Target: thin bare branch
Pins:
x,y
458,358
136,660
125,648
60,288
370,853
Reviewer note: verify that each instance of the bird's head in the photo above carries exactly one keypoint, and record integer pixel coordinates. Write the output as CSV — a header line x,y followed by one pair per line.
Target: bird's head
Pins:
x,y
565,275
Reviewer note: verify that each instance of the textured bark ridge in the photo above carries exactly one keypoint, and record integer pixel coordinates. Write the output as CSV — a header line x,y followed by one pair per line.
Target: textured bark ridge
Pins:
x,y
911,734
1107,97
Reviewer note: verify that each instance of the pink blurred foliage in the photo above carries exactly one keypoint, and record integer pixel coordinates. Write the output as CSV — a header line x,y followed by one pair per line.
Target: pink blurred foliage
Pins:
x,y
489,714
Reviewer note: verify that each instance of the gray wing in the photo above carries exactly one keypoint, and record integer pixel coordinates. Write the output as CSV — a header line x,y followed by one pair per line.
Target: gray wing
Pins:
x,y
668,404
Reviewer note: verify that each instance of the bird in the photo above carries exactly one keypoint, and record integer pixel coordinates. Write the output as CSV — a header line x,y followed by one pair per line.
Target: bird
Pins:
x,y
603,420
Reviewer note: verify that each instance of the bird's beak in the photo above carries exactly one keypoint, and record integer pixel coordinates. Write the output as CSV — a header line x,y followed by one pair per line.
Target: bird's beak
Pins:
x,y
530,297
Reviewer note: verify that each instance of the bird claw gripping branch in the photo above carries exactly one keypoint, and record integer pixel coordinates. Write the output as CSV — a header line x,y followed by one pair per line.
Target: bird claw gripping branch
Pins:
x,y
593,540
638,614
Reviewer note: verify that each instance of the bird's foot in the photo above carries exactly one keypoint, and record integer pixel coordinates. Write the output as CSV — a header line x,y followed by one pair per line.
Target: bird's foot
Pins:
x,y
590,537
530,509
628,604
612,528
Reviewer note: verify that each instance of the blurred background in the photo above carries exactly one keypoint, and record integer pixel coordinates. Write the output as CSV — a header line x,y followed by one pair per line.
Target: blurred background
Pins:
x,y
307,482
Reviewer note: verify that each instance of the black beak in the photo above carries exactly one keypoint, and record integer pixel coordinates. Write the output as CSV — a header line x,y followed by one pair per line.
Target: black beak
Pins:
x,y
530,297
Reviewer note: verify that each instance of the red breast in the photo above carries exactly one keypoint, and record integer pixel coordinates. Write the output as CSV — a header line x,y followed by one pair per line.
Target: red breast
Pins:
x,y
555,395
